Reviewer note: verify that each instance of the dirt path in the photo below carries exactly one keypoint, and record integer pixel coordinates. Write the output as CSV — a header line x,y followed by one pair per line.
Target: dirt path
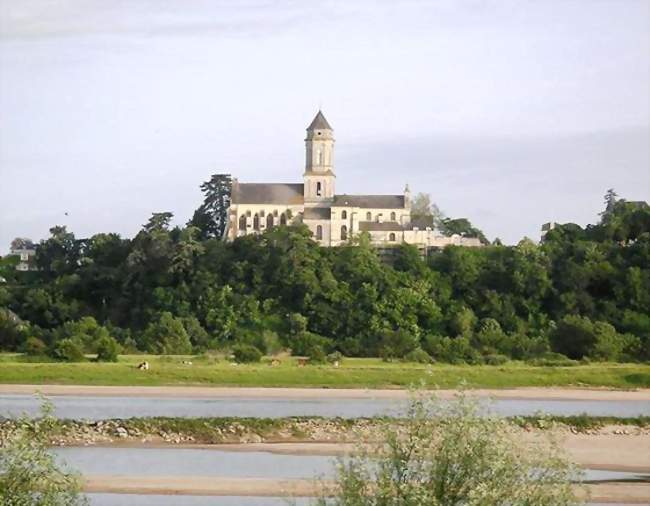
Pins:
x,y
594,394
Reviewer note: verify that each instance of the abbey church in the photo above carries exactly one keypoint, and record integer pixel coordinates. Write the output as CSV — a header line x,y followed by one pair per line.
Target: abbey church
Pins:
x,y
332,218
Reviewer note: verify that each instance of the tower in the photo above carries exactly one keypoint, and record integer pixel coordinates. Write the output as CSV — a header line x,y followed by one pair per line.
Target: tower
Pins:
x,y
319,167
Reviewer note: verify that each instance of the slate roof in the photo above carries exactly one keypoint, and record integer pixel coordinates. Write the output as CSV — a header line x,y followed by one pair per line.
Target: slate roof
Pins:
x,y
268,193
317,213
374,226
370,201
319,123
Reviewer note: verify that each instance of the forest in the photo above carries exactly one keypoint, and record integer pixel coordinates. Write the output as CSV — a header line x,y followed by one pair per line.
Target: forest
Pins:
x,y
582,294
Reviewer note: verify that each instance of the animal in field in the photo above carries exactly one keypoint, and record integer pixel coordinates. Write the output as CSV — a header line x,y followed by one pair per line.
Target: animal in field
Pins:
x,y
143,366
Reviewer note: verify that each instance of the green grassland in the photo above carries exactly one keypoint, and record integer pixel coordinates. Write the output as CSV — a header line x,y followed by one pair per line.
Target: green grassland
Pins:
x,y
353,373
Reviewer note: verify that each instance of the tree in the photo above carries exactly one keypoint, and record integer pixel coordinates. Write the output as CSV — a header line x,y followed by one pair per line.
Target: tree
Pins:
x,y
29,473
426,213
159,222
167,336
610,203
211,217
445,455
108,349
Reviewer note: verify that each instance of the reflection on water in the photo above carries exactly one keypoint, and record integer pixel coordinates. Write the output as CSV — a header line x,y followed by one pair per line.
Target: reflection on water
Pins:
x,y
96,408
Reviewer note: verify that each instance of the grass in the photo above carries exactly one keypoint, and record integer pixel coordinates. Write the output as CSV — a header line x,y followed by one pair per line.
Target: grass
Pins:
x,y
360,373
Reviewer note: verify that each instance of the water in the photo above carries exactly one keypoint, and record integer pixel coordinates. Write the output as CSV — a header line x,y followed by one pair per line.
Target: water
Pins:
x,y
223,463
96,408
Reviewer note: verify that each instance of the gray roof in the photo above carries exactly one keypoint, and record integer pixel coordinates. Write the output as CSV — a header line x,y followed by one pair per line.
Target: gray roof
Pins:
x,y
374,226
317,213
370,201
268,193
319,123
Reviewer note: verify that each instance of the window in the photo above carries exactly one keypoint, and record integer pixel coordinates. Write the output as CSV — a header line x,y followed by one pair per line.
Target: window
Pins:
x,y
283,219
319,232
269,221
391,236
344,233
392,216
319,189
262,213
242,222
319,158
275,213
344,215
368,216
248,214
256,222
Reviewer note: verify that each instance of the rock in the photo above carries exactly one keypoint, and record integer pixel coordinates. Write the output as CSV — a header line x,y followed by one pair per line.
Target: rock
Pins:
x,y
121,432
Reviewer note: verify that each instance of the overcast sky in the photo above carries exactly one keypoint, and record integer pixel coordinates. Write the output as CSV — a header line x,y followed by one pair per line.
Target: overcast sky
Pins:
x,y
509,113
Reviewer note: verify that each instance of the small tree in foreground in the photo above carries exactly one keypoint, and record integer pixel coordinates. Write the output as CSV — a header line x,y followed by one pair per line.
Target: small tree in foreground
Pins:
x,y
453,455
29,474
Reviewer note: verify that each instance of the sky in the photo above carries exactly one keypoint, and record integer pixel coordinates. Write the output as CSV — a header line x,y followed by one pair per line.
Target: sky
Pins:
x,y
509,113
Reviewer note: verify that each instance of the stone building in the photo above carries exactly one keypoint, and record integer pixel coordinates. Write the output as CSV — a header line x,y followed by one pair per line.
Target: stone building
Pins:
x,y
332,218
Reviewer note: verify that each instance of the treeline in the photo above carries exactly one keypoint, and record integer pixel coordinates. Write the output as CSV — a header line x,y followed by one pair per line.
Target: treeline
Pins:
x,y
581,294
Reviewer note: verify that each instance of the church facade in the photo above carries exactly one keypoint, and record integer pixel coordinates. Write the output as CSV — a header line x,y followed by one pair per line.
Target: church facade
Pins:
x,y
332,218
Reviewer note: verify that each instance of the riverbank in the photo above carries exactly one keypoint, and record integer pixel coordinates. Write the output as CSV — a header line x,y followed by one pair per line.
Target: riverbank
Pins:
x,y
630,493
351,373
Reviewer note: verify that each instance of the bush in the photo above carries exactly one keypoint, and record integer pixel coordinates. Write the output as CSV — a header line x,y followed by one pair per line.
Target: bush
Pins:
x,y
396,344
317,355
245,353
495,359
108,349
304,344
452,454
167,336
419,356
337,356
577,336
35,347
68,350
453,350
551,359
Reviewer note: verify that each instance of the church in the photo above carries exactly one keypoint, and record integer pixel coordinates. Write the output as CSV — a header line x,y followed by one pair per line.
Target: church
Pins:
x,y
333,218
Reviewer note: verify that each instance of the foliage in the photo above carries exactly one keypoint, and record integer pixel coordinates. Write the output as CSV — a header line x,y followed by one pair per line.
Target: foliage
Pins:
x,y
108,349
68,350
452,454
245,353
29,474
35,347
583,292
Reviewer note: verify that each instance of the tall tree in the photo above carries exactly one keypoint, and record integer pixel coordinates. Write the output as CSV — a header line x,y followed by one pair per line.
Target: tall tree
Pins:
x,y
211,216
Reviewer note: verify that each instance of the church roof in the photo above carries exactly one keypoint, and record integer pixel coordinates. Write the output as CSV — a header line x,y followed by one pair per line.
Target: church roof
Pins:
x,y
319,123
370,201
375,226
317,213
268,193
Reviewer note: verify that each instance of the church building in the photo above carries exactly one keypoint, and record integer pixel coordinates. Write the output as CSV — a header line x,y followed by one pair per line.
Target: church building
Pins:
x,y
332,218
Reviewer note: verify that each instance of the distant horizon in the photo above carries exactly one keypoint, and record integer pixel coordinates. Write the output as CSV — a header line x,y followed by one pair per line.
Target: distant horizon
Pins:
x,y
508,114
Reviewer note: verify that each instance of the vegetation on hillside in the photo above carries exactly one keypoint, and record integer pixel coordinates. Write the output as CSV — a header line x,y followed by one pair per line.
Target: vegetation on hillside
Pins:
x,y
582,294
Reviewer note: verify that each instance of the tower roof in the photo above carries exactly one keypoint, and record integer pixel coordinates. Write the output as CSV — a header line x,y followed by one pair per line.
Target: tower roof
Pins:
x,y
319,123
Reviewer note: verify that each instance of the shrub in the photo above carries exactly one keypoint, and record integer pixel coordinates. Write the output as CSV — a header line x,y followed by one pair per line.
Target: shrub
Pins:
x,y
317,355
246,353
577,336
396,344
495,359
418,355
552,359
453,350
108,349
167,335
337,356
68,350
304,344
35,347
452,454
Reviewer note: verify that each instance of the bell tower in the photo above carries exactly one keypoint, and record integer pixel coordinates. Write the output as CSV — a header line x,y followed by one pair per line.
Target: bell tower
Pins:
x,y
319,166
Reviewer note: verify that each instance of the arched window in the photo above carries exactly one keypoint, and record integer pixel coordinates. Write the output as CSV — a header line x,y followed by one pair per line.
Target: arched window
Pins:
x,y
269,220
242,222
392,216
319,232
256,222
319,157
248,214
262,213
283,219
391,236
344,233
275,212
368,216
319,188
344,215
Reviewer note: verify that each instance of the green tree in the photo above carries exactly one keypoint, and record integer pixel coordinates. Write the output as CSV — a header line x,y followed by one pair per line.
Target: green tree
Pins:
x,y
167,336
211,217
108,349
29,473
451,455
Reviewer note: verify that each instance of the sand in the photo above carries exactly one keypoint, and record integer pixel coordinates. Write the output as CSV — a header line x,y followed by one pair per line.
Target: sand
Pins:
x,y
585,394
